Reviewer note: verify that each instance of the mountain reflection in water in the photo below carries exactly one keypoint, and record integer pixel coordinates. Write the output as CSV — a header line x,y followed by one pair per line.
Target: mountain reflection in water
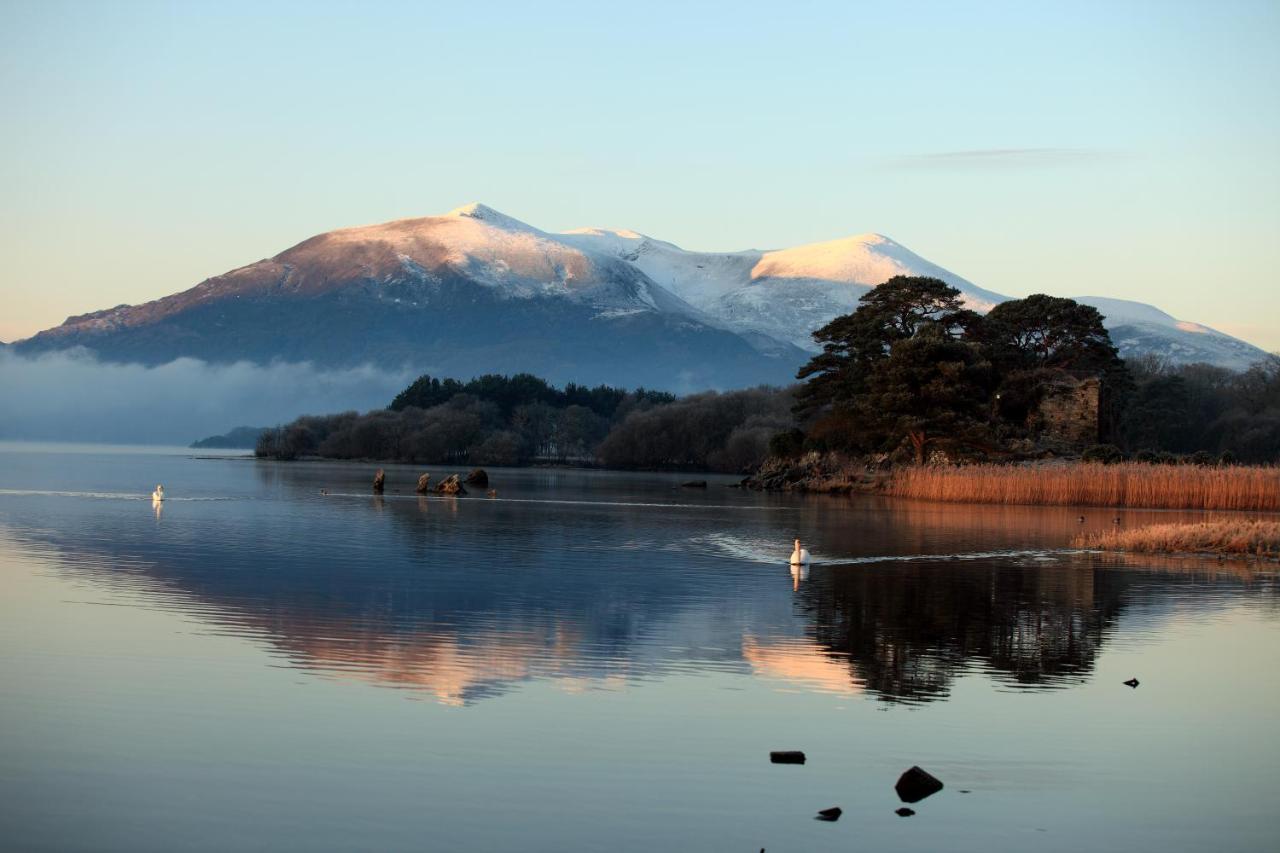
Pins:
x,y
597,581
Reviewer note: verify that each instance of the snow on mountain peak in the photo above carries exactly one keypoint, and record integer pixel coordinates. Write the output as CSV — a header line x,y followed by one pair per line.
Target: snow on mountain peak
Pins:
x,y
496,218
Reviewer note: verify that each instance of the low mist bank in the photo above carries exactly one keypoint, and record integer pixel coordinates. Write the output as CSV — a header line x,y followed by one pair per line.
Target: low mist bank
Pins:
x,y
70,396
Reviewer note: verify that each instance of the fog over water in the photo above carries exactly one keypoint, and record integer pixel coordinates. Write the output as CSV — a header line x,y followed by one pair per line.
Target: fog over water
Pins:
x,y
73,397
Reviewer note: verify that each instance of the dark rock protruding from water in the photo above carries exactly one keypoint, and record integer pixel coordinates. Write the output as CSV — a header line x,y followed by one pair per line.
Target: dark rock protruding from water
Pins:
x,y
904,812
1132,682
830,814
478,477
694,484
914,785
451,485
379,482
424,483
787,757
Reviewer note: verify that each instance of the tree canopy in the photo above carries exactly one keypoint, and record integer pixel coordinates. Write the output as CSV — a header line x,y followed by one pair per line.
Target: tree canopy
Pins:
x,y
1048,332
911,363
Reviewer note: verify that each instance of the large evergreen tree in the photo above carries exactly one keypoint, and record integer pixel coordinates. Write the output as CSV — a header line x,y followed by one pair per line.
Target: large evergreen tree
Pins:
x,y
853,343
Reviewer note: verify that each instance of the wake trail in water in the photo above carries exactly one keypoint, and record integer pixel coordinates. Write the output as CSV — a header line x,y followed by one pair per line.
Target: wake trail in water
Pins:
x,y
770,553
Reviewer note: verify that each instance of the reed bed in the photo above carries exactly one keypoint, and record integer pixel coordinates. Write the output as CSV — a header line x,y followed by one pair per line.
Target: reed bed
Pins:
x,y
1233,536
1235,487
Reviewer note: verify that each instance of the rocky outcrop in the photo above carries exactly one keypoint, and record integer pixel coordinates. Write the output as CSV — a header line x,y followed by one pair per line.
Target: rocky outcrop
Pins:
x,y
379,481
451,485
479,478
424,483
819,472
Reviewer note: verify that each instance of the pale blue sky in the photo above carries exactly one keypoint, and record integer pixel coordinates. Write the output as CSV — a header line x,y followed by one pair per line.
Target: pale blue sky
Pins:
x,y
1127,149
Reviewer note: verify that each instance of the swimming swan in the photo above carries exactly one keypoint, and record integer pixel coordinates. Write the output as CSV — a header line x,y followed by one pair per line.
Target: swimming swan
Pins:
x,y
158,494
800,556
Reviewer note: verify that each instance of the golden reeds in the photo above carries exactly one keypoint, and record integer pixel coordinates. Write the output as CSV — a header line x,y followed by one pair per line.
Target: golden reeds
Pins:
x,y
1233,536
1235,487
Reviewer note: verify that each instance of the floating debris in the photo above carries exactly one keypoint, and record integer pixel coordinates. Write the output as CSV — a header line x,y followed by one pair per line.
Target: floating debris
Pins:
x,y
787,757
916,784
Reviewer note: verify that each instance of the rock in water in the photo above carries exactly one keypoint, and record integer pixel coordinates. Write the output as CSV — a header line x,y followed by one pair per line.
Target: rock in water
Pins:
x,y
478,477
451,486
830,814
787,757
1132,682
904,812
379,482
694,484
914,785
424,482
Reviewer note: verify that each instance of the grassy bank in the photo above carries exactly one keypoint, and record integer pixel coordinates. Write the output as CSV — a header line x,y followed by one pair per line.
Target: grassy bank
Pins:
x,y
1234,487
1258,538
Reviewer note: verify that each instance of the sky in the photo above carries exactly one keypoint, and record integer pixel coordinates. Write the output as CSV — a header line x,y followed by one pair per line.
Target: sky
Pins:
x,y
1125,149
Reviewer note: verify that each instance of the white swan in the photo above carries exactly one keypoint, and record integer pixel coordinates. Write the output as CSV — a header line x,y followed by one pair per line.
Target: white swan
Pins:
x,y
158,494
800,556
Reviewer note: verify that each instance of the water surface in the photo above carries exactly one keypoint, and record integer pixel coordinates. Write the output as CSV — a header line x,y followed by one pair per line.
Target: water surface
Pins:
x,y
276,659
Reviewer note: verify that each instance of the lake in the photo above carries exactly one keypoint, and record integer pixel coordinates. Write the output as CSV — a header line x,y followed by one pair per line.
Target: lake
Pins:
x,y
603,661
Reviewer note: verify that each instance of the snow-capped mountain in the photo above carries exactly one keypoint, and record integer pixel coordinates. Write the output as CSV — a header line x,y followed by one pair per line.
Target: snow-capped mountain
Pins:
x,y
476,291
1139,329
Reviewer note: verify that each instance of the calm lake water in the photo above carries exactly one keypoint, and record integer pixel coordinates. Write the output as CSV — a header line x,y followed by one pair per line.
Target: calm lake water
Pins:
x,y
602,661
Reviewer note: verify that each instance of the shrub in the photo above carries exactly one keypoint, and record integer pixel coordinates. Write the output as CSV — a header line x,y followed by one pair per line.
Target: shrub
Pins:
x,y
1107,454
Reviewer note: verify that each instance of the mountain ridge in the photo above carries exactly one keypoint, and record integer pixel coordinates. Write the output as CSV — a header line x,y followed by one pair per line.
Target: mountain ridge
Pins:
x,y
476,287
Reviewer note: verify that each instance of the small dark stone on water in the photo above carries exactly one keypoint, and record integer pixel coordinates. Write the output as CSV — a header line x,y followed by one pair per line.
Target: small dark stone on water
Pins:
x,y
965,791
424,482
478,477
904,812
830,814
1132,682
379,482
914,785
787,757
695,484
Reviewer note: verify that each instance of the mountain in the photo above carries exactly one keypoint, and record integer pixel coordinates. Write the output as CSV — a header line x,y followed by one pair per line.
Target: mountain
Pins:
x,y
1139,329
477,291
239,438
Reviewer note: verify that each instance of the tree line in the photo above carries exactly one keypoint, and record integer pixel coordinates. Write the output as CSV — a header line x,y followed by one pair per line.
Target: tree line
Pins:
x,y
521,419
911,370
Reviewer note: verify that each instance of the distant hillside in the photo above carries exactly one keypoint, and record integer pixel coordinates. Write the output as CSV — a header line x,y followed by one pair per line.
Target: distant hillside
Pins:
x,y
240,438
